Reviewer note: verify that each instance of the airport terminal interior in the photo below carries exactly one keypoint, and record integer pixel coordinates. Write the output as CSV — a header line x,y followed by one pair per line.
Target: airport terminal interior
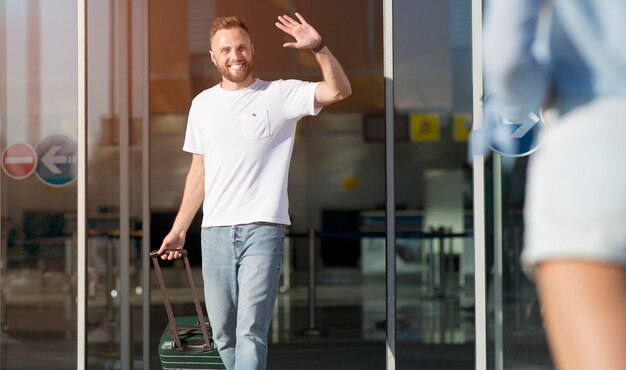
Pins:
x,y
145,61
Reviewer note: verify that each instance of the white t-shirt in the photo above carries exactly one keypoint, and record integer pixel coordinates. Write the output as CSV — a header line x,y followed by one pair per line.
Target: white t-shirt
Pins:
x,y
246,137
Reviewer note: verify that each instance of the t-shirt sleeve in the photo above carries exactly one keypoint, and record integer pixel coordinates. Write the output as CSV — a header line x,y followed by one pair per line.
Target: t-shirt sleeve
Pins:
x,y
299,98
516,72
193,135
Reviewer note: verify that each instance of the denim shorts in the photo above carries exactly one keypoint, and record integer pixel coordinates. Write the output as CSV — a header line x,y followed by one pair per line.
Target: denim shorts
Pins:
x,y
576,190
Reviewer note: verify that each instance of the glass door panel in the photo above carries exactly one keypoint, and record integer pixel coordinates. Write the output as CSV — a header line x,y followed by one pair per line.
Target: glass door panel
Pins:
x,y
38,112
434,215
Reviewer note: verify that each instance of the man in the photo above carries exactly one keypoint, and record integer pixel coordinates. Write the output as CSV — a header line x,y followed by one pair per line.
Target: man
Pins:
x,y
241,135
569,56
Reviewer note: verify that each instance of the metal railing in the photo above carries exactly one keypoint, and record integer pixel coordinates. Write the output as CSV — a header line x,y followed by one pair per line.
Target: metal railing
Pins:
x,y
434,290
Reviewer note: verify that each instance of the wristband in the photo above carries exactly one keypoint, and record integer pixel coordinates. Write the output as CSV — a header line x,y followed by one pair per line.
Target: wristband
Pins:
x,y
319,47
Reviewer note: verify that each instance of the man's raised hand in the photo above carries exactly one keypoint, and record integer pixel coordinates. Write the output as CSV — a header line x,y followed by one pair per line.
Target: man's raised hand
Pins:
x,y
306,36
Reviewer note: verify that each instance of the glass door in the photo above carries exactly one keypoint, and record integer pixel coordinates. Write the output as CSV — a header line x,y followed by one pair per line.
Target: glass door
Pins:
x,y
73,251
512,332
38,184
118,277
434,251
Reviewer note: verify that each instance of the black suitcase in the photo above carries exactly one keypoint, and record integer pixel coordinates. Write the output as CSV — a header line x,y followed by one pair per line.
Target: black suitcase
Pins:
x,y
186,342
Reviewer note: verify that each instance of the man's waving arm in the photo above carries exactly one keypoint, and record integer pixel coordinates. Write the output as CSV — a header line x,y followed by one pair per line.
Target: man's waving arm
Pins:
x,y
335,86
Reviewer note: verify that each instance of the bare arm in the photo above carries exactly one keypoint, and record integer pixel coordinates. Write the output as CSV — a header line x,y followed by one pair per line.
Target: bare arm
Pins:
x,y
192,199
335,86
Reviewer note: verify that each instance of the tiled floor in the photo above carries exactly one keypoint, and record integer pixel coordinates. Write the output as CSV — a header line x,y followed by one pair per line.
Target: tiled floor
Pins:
x,y
432,332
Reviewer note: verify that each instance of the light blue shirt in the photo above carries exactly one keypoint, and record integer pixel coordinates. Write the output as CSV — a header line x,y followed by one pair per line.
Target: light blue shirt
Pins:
x,y
564,51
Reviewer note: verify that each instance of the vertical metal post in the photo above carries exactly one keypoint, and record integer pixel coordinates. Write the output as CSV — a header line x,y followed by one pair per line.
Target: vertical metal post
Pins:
x,y
287,316
497,260
3,143
312,330
312,274
81,211
390,196
517,271
442,262
479,190
33,71
286,265
431,268
145,170
124,184
70,298
110,284
450,260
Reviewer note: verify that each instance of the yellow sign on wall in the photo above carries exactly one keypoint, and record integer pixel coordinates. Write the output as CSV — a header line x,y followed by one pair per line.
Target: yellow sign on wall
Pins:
x,y
350,182
462,123
425,127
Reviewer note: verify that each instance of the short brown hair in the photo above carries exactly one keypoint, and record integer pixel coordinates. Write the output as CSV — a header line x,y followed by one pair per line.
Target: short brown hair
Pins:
x,y
221,23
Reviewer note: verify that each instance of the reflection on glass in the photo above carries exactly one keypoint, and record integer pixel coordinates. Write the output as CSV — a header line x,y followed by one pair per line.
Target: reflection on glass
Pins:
x,y
38,190
514,312
434,254
110,54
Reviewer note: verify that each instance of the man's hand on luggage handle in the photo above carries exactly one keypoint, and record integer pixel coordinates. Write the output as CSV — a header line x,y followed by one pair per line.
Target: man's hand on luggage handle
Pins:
x,y
172,240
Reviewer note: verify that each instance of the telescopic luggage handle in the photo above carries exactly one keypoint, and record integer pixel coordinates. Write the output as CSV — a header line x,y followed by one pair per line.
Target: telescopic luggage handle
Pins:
x,y
168,306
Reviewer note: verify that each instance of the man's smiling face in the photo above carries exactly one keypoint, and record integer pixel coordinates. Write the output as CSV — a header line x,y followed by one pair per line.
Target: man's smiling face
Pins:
x,y
232,52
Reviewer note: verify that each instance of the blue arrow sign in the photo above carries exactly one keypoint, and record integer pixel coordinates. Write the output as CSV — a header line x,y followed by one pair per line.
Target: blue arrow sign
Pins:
x,y
57,160
516,136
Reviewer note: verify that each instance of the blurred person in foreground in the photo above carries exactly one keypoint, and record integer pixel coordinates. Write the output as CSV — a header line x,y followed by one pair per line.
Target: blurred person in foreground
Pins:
x,y
569,57
241,134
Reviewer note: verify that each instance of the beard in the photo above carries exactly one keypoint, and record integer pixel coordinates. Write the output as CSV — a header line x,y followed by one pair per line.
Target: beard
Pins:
x,y
238,76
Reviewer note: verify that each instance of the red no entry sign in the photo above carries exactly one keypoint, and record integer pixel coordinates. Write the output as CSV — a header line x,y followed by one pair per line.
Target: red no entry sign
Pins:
x,y
19,160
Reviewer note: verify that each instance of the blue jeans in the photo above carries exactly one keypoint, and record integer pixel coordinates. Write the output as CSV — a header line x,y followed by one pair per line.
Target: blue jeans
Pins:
x,y
241,270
